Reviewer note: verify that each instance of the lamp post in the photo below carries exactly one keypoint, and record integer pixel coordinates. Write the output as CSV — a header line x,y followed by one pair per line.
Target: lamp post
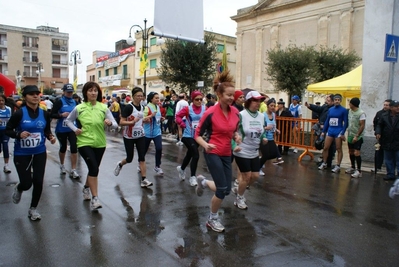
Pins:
x,y
39,72
145,33
73,61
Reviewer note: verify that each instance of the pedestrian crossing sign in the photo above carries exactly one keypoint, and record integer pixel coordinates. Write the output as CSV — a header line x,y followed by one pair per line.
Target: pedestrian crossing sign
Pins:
x,y
391,48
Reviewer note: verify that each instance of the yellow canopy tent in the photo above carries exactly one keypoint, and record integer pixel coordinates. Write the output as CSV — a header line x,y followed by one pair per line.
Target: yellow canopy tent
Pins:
x,y
348,84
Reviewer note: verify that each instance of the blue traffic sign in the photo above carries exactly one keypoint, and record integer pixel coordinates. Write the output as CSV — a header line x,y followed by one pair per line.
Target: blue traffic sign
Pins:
x,y
391,48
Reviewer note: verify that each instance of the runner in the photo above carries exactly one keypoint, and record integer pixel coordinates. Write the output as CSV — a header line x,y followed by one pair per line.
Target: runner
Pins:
x,y
251,129
220,123
92,116
60,111
133,134
193,115
5,114
30,126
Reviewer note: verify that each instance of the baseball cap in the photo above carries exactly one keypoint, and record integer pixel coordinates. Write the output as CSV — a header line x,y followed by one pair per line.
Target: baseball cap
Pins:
x,y
295,97
30,89
254,95
394,103
67,87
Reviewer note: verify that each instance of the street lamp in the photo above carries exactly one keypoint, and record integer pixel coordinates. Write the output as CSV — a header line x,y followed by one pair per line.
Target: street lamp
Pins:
x,y
73,61
145,33
39,72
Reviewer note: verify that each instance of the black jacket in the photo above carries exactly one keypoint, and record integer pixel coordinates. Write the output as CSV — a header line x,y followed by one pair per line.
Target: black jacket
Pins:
x,y
322,111
388,128
377,118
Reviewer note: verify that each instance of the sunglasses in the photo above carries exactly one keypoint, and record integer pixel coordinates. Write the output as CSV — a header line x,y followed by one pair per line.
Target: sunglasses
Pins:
x,y
197,99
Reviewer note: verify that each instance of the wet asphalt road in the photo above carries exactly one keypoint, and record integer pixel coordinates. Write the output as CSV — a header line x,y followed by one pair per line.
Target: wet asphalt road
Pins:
x,y
297,216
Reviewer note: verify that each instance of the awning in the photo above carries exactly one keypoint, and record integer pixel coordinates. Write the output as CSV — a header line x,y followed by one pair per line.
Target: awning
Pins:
x,y
348,84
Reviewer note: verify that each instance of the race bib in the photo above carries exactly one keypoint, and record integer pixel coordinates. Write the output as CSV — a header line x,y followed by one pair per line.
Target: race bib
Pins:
x,y
137,133
64,124
33,140
3,122
194,124
333,121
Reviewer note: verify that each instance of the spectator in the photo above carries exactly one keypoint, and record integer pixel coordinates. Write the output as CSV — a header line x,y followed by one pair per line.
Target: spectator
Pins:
x,y
283,126
379,156
296,112
239,100
166,92
49,104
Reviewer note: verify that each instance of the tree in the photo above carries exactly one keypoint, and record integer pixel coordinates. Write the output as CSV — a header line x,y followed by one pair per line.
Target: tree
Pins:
x,y
48,91
332,62
183,64
290,70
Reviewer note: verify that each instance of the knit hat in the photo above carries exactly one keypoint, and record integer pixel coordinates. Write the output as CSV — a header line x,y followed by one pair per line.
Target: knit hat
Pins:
x,y
194,94
355,101
281,101
237,94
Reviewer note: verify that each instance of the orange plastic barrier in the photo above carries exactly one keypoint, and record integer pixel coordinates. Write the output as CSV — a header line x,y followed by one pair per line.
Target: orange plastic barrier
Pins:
x,y
297,133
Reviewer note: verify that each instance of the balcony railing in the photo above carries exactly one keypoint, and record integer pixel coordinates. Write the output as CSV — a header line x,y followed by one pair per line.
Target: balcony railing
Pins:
x,y
30,60
59,62
26,45
29,74
3,58
59,48
62,76
126,76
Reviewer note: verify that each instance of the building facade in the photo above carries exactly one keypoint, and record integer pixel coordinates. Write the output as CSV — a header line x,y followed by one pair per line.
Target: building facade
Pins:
x,y
270,23
34,56
119,71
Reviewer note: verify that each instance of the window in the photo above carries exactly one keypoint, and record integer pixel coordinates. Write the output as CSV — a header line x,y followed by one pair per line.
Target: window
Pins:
x,y
124,72
99,74
138,81
153,63
106,73
115,70
153,41
220,48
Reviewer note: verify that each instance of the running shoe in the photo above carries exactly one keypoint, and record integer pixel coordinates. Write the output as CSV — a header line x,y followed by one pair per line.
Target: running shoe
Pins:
x,y
16,196
234,190
138,169
95,204
182,173
240,203
236,183
200,188
86,193
193,181
394,189
118,168
261,173
74,174
336,169
158,171
34,215
356,174
215,225
62,169
295,151
350,170
6,169
278,161
145,183
323,166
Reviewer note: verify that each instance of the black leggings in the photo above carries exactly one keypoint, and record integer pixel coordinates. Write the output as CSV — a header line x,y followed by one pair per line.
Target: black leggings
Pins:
x,y
92,157
192,154
67,136
24,164
129,147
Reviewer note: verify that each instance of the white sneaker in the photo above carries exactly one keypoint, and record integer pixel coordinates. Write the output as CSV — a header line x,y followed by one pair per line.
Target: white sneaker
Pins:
x,y
336,169
240,203
74,174
145,183
6,169
323,166
350,170
356,174
236,183
138,169
33,214
261,173
320,159
118,168
158,171
193,181
182,173
295,151
199,190
394,189
86,193
95,204
62,169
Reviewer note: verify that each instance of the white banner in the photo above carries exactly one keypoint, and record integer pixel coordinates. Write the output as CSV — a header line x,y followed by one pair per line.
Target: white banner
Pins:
x,y
179,19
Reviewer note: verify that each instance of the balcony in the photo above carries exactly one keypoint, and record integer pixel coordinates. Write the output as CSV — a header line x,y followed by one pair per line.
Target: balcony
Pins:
x,y
33,46
125,76
3,43
61,48
3,58
60,62
30,60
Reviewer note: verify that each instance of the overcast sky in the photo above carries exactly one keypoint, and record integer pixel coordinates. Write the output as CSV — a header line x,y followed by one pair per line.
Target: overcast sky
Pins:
x,y
97,25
